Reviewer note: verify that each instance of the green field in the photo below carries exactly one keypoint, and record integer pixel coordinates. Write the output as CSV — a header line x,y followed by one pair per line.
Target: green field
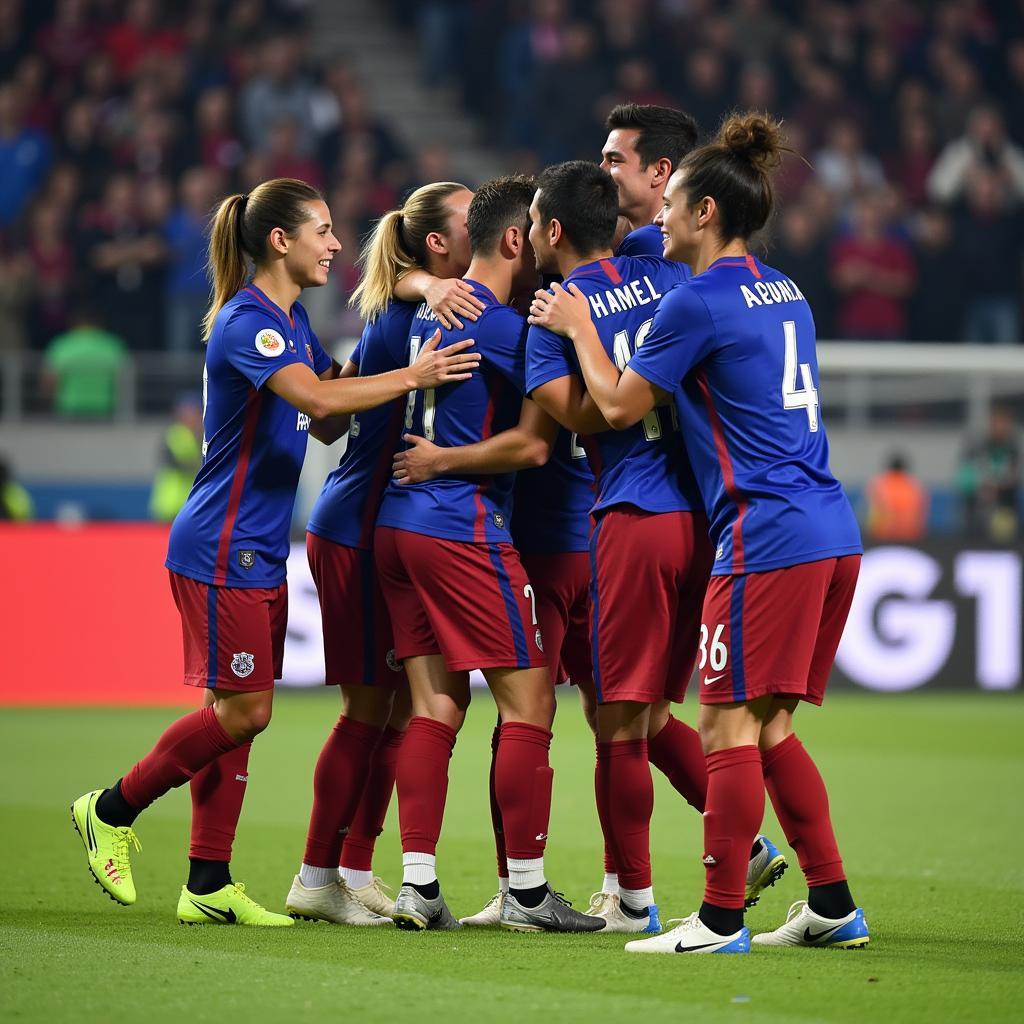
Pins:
x,y
927,797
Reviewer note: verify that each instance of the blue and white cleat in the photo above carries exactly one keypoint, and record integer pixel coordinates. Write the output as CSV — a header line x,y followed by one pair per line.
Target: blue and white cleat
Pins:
x,y
766,867
692,936
804,927
608,907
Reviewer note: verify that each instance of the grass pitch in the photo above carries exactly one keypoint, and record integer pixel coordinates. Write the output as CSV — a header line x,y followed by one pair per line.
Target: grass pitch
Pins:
x,y
927,799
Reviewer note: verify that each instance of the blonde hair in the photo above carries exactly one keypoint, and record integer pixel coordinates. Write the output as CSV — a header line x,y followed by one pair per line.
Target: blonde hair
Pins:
x,y
398,245
239,232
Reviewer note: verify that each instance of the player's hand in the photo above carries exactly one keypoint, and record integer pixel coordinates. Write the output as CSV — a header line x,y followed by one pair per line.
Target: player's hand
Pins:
x,y
564,312
452,298
419,463
453,363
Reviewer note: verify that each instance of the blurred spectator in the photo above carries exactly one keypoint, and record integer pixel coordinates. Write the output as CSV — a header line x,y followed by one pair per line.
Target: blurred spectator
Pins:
x,y
705,94
844,167
873,273
989,478
989,248
911,164
24,156
82,368
985,147
188,290
15,503
67,40
937,304
181,455
278,90
51,258
140,37
215,142
799,251
15,288
897,504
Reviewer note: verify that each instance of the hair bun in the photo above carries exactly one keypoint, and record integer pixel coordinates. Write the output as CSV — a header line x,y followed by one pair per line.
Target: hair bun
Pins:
x,y
756,138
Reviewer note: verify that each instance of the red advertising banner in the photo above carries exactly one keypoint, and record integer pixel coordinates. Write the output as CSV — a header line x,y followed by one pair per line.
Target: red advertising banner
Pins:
x,y
88,618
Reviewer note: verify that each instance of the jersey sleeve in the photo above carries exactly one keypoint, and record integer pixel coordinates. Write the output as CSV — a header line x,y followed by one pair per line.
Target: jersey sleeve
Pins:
x,y
322,360
547,358
255,347
683,335
506,348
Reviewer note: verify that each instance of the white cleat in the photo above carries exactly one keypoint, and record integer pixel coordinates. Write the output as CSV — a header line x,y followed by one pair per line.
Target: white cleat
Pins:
x,y
489,917
376,897
804,927
764,869
335,903
608,907
692,936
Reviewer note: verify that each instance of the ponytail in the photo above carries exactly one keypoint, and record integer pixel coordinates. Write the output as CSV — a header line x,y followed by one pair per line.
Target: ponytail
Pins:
x,y
226,262
398,245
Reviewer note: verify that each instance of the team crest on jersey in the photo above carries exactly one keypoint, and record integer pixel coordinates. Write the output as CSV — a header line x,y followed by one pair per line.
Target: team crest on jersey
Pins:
x,y
499,520
538,641
269,343
309,353
246,559
242,664
393,663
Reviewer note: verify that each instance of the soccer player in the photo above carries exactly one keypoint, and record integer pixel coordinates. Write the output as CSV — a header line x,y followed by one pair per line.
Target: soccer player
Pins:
x,y
459,599
267,384
644,146
735,349
355,772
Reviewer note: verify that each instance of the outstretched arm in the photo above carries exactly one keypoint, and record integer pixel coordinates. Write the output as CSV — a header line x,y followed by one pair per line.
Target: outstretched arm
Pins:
x,y
450,298
524,446
328,430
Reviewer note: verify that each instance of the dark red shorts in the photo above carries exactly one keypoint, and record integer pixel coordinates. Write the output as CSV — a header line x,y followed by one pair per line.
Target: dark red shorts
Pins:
x,y
233,636
469,602
561,588
649,573
775,632
358,645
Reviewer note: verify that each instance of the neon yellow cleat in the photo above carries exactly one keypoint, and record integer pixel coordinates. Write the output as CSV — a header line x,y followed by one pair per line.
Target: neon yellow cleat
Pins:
x,y
229,905
106,849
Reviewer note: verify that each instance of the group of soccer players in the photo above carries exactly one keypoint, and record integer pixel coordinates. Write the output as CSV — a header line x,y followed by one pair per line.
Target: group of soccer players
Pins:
x,y
631,481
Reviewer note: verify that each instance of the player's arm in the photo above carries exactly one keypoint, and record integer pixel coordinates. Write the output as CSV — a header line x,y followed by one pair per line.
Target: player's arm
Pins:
x,y
328,430
622,398
565,399
449,298
526,445
298,385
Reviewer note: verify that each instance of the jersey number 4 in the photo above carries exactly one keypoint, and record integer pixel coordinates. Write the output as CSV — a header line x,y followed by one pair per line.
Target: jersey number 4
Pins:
x,y
428,396
807,396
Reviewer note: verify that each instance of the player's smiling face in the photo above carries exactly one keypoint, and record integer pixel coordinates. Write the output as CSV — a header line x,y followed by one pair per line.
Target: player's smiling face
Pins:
x,y
680,232
313,247
621,160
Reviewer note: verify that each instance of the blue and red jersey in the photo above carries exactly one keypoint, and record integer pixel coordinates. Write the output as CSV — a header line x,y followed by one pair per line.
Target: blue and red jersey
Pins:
x,y
641,241
233,528
646,465
735,346
551,504
346,510
463,508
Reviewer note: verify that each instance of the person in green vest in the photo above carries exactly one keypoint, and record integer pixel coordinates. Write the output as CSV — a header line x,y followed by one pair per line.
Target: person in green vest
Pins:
x,y
15,503
180,459
82,367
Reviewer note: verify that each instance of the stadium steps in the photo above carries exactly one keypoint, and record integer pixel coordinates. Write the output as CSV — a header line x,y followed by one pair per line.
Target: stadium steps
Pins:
x,y
361,32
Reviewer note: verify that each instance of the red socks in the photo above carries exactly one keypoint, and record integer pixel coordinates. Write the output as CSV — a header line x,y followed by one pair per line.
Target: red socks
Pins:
x,y
733,816
496,825
186,746
624,780
522,784
368,822
422,782
801,804
677,753
338,784
601,798
217,794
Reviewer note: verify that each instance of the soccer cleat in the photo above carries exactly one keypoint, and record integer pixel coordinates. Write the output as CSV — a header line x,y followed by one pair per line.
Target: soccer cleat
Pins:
x,y
766,867
414,912
489,917
229,905
616,919
335,903
553,914
804,927
376,897
692,936
106,849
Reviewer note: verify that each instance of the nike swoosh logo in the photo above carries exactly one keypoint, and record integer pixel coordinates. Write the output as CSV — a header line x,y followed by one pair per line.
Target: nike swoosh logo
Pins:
x,y
810,936
680,948
89,832
713,679
215,913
